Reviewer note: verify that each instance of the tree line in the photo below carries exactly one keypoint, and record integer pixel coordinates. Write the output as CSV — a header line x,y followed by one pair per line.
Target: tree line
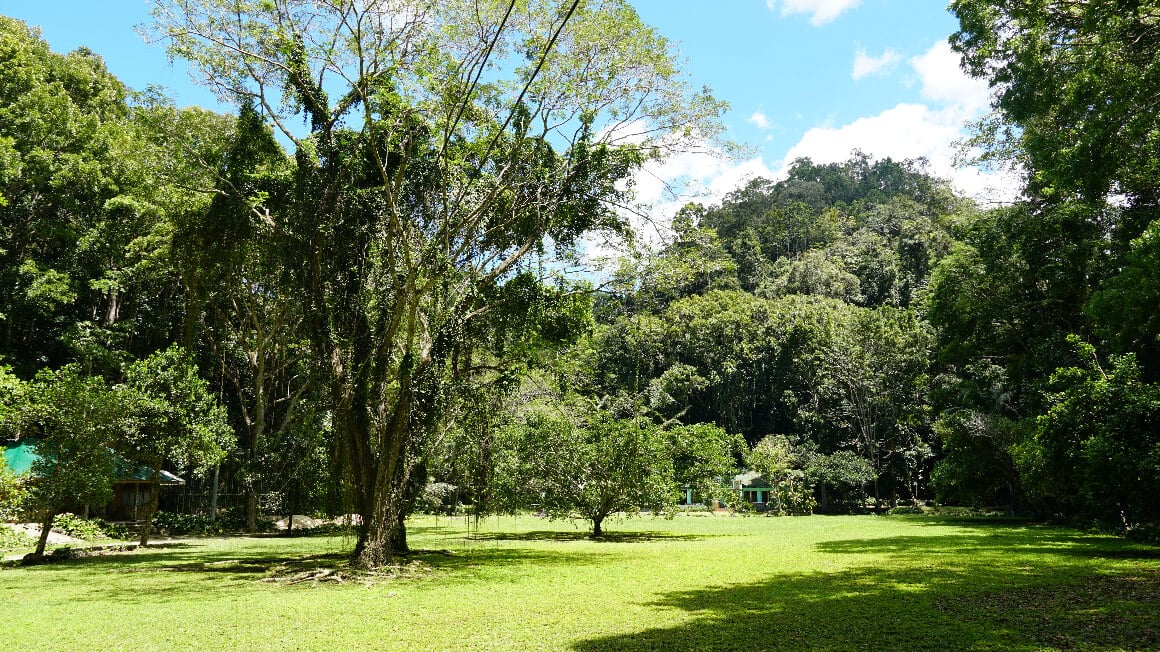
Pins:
x,y
363,267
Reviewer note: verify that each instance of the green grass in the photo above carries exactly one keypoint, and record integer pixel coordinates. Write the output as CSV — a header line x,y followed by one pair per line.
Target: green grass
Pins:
x,y
692,583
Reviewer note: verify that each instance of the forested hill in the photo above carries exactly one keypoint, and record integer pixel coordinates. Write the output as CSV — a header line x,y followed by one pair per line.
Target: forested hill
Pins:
x,y
863,309
793,308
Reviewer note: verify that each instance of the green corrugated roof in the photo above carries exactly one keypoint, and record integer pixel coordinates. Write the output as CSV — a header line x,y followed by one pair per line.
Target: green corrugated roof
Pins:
x,y
20,455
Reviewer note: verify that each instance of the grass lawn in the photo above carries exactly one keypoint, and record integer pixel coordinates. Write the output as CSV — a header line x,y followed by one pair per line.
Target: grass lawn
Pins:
x,y
692,583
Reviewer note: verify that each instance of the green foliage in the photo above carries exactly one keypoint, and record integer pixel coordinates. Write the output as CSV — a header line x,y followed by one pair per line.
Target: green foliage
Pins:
x,y
703,457
12,490
437,498
776,459
1074,84
1095,453
815,273
80,528
12,540
73,419
82,251
588,465
840,479
977,468
64,553
179,524
1124,307
174,417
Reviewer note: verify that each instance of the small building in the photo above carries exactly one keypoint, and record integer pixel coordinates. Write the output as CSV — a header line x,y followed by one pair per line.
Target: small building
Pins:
x,y
131,482
753,488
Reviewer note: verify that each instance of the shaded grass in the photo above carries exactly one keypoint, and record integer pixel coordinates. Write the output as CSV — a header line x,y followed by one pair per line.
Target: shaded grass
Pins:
x,y
685,584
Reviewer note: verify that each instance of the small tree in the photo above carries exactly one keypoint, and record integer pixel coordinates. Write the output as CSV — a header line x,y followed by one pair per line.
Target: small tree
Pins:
x,y
587,467
72,417
774,458
704,456
173,417
844,472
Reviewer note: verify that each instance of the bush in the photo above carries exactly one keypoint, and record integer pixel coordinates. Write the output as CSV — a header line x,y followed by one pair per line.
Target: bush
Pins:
x,y
1149,534
437,498
77,527
172,523
118,531
12,491
64,552
12,540
905,510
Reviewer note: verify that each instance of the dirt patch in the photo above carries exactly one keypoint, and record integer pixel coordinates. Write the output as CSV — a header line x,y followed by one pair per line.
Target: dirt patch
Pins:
x,y
33,530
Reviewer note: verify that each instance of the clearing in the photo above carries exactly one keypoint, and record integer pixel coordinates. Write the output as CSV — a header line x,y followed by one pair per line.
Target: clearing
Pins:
x,y
754,583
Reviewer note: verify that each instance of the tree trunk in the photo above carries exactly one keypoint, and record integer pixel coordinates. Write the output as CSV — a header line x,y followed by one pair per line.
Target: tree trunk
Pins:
x,y
251,508
45,528
383,499
385,532
214,495
597,530
151,509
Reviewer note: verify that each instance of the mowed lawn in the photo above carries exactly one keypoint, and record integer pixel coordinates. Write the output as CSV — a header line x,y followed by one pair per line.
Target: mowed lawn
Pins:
x,y
690,583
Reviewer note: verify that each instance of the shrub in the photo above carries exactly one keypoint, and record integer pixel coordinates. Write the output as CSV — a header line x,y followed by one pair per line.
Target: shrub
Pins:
x,y
64,552
172,523
11,539
80,528
904,510
1149,534
437,498
12,491
114,530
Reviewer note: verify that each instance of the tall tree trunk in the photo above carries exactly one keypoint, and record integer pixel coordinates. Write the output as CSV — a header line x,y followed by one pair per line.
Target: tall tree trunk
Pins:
x,y
151,509
45,528
384,474
251,508
385,530
213,497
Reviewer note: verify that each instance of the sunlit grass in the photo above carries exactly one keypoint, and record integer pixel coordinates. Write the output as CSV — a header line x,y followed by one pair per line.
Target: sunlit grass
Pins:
x,y
690,583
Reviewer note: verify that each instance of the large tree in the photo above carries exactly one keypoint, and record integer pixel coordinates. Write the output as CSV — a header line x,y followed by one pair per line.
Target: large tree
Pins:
x,y
447,145
1074,87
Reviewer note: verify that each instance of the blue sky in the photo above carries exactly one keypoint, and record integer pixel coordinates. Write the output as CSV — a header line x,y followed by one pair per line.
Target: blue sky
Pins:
x,y
811,78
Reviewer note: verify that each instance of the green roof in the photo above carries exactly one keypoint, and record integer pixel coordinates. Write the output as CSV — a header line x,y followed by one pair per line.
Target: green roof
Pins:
x,y
20,456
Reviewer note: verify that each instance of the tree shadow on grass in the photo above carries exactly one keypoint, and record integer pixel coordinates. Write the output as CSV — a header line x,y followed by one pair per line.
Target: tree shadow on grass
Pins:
x,y
208,571
990,595
1079,547
607,537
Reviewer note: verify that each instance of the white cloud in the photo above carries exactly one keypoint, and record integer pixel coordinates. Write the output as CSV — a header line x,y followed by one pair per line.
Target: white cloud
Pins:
x,y
930,130
705,176
821,11
944,81
927,130
661,188
866,65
